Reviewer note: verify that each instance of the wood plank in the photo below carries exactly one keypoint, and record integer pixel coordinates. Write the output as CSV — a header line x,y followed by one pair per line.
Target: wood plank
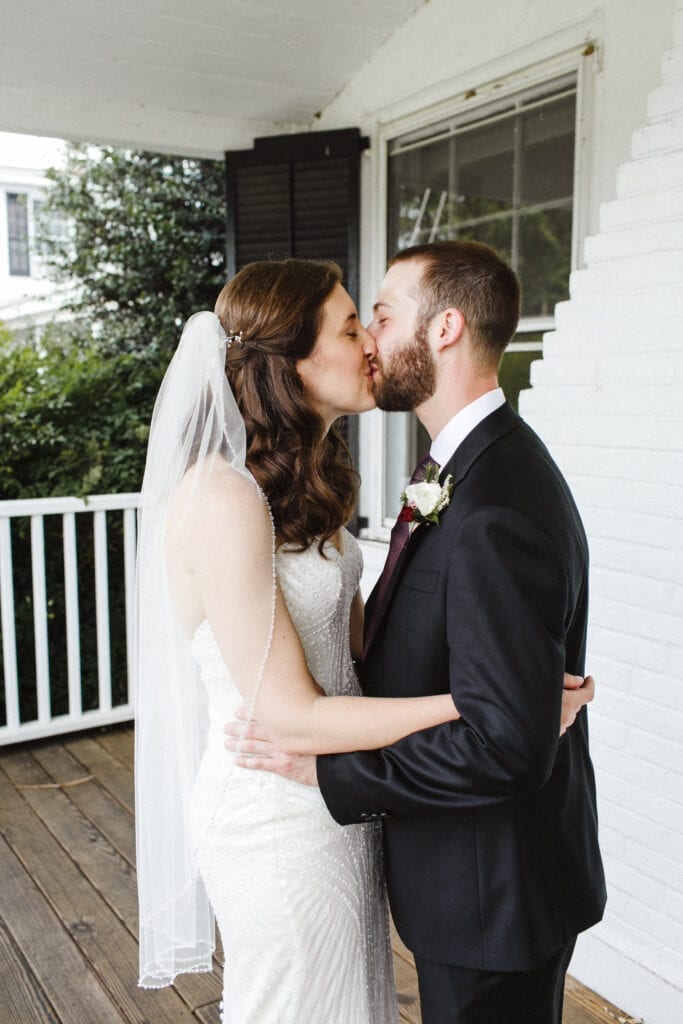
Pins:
x,y
585,1007
209,1014
107,815
117,779
115,824
63,972
406,985
21,997
83,835
119,741
107,871
406,980
114,776
86,879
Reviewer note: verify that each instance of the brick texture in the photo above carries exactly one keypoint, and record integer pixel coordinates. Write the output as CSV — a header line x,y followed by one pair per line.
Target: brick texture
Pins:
x,y
608,399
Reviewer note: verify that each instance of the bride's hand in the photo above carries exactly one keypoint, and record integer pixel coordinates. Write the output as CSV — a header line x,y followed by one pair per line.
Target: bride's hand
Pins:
x,y
257,751
577,692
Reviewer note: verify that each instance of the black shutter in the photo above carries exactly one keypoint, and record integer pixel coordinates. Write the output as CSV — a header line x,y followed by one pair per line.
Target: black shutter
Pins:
x,y
296,195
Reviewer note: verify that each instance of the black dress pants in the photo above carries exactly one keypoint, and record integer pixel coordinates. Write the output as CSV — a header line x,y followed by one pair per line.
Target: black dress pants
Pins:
x,y
457,995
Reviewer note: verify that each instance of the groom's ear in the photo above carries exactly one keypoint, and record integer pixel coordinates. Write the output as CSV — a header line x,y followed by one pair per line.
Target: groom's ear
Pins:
x,y
451,327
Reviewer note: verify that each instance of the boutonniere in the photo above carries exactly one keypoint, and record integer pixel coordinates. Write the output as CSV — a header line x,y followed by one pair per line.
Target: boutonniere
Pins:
x,y
424,502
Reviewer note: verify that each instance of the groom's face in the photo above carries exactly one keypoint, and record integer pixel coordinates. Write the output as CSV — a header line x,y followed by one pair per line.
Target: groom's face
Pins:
x,y
404,370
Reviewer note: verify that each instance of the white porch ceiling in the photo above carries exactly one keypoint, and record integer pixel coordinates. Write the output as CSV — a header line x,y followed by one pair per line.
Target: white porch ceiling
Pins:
x,y
198,76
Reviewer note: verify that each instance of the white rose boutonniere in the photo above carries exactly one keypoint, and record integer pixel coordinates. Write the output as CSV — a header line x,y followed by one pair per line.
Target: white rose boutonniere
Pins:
x,y
425,501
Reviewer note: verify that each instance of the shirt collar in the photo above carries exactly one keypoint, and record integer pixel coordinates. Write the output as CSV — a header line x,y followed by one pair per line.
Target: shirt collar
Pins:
x,y
449,439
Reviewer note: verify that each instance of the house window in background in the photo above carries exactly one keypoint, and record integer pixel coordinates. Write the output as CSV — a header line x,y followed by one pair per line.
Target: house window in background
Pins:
x,y
17,233
503,175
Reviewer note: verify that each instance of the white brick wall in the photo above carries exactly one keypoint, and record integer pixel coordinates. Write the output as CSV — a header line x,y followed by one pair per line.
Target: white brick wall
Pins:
x,y
608,399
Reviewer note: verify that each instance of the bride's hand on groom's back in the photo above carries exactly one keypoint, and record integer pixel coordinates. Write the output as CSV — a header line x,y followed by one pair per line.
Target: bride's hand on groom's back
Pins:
x,y
577,692
255,750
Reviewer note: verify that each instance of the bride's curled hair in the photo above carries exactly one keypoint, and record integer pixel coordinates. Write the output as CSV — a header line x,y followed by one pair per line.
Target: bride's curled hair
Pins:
x,y
305,471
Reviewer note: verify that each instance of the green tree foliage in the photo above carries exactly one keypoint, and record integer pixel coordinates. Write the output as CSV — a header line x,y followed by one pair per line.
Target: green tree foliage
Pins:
x,y
143,250
145,241
73,419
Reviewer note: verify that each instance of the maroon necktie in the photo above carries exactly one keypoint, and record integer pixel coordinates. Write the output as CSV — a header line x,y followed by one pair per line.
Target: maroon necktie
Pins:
x,y
399,538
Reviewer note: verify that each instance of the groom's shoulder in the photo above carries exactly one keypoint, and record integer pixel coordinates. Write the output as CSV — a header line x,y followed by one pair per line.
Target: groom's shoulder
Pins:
x,y
517,465
521,437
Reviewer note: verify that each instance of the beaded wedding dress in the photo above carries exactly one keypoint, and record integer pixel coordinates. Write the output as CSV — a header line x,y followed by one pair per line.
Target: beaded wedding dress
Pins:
x,y
299,899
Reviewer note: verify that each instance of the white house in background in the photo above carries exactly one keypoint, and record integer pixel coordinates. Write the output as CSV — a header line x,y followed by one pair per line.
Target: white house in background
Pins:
x,y
27,297
555,131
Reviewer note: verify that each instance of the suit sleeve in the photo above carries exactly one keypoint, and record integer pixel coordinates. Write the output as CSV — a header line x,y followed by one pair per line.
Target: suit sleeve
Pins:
x,y
507,613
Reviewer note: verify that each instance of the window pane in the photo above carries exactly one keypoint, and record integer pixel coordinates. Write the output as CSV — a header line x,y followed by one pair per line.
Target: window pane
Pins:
x,y
545,240
548,152
17,229
504,178
545,223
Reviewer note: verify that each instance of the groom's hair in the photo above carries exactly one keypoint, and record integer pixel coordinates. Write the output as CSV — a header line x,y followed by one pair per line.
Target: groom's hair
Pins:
x,y
473,278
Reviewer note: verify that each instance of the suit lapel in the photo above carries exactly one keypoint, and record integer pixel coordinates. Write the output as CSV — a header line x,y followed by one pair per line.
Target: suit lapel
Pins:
x,y
486,433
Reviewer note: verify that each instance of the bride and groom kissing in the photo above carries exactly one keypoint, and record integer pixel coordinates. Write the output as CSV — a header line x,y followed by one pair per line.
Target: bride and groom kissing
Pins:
x,y
464,745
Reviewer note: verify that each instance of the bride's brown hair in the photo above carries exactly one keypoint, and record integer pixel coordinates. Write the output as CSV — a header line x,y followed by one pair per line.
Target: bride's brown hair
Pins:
x,y
306,472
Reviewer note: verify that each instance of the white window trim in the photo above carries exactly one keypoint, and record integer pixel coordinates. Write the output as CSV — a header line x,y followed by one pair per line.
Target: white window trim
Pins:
x,y
581,60
33,195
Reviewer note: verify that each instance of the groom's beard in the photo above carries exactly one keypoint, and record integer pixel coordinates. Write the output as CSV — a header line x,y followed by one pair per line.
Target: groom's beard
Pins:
x,y
410,378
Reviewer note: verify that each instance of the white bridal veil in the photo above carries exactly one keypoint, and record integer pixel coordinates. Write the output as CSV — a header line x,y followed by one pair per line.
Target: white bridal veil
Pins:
x,y
195,416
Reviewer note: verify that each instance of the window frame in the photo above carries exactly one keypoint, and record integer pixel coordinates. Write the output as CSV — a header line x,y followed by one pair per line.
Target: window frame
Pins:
x,y
579,61
34,198
17,195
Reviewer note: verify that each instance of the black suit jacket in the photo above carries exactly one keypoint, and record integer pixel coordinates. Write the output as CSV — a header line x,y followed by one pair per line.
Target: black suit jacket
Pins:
x,y
490,822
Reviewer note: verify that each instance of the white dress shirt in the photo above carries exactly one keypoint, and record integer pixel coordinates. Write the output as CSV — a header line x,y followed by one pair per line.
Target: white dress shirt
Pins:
x,y
449,439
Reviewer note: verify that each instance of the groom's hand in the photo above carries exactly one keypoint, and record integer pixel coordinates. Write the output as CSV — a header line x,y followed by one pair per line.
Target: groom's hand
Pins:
x,y
256,750
577,692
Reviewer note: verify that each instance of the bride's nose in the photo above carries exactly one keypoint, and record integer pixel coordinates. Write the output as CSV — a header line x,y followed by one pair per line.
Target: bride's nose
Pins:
x,y
368,342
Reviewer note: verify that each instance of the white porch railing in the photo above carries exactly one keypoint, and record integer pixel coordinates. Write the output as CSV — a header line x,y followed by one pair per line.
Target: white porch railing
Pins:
x,y
106,713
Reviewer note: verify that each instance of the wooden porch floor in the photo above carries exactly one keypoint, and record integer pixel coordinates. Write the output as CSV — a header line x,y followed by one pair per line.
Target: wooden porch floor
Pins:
x,y
68,949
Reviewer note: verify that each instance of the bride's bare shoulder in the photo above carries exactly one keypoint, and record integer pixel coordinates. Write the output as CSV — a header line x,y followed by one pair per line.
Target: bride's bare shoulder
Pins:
x,y
218,494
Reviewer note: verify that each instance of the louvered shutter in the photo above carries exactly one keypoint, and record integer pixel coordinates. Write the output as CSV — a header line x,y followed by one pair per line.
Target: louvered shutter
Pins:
x,y
296,195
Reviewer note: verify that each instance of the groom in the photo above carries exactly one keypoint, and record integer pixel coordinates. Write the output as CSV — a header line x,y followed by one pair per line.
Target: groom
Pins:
x,y
490,827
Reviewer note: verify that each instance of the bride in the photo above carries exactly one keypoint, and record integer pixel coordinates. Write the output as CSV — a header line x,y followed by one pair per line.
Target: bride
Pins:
x,y
248,593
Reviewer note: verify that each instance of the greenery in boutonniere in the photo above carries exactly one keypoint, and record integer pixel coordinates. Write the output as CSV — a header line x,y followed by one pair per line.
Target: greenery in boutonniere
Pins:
x,y
425,501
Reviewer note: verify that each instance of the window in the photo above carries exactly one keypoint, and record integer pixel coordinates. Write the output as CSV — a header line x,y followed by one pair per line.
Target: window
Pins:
x,y
504,175
29,225
48,225
17,233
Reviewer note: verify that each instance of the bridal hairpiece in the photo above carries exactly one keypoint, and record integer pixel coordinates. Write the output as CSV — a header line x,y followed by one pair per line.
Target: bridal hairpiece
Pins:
x,y
234,339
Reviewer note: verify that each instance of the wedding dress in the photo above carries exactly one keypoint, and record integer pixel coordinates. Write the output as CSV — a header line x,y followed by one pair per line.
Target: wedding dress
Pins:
x,y
299,899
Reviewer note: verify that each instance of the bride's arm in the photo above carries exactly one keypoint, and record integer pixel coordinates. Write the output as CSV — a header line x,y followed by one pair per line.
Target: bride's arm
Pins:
x,y
229,546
